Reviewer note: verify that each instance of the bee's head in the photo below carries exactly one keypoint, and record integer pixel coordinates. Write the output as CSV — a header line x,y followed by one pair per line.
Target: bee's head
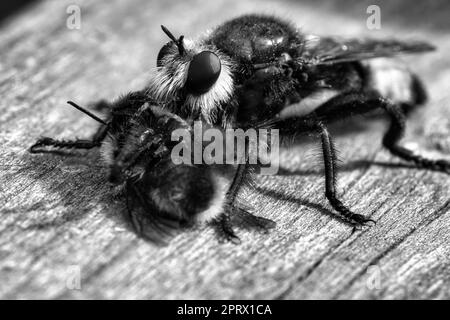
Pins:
x,y
193,72
148,140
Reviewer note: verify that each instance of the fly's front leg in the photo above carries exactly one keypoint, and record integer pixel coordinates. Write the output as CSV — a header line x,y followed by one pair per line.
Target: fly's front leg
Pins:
x,y
235,212
223,223
394,134
42,143
329,157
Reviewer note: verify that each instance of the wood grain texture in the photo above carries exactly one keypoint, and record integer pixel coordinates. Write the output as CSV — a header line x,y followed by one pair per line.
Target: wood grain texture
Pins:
x,y
59,214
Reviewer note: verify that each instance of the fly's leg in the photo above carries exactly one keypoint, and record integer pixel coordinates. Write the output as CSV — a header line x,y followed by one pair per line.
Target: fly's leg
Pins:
x,y
234,212
223,223
329,157
224,228
394,134
359,103
44,142
348,105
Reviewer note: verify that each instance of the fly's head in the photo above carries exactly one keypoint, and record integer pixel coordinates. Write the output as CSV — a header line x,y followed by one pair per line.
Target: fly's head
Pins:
x,y
195,75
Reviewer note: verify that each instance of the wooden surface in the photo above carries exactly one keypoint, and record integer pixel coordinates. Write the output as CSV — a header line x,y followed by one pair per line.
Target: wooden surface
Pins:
x,y
58,214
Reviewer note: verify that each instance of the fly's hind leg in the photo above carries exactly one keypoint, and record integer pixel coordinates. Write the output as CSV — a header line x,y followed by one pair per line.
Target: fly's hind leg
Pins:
x,y
329,157
394,134
359,103
44,142
348,105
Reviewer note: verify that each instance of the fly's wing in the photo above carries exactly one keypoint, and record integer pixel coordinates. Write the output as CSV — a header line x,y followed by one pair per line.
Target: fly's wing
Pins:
x,y
334,50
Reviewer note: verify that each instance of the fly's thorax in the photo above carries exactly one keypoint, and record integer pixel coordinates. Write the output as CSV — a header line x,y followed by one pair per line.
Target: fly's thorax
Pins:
x,y
255,38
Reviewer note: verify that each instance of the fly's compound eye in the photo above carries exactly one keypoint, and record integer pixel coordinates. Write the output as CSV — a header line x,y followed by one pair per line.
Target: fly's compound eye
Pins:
x,y
162,53
204,70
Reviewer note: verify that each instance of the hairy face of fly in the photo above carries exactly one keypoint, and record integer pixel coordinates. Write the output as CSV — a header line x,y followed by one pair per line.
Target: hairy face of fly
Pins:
x,y
197,74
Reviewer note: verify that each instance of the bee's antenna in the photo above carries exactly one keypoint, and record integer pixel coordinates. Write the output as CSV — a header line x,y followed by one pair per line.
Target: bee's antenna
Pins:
x,y
93,116
178,42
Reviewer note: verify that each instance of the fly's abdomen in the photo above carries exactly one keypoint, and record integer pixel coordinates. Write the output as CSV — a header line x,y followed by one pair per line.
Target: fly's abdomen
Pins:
x,y
393,80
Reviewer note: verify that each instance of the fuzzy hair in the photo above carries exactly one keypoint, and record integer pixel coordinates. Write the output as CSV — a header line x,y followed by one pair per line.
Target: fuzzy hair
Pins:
x,y
167,81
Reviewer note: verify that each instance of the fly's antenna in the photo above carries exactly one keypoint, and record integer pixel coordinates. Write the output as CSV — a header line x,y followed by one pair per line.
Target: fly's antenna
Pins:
x,y
178,42
93,116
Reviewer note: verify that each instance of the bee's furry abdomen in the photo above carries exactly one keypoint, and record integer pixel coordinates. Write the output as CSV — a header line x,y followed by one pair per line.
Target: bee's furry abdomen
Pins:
x,y
171,197
181,191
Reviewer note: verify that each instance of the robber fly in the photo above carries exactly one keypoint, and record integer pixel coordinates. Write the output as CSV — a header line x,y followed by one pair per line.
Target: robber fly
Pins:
x,y
256,67
249,71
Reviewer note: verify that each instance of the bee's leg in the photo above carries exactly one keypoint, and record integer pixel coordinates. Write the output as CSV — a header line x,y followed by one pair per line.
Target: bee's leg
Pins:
x,y
396,132
329,157
39,146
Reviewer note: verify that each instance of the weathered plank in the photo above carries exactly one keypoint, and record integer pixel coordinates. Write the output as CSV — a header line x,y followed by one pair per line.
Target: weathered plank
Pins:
x,y
58,215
